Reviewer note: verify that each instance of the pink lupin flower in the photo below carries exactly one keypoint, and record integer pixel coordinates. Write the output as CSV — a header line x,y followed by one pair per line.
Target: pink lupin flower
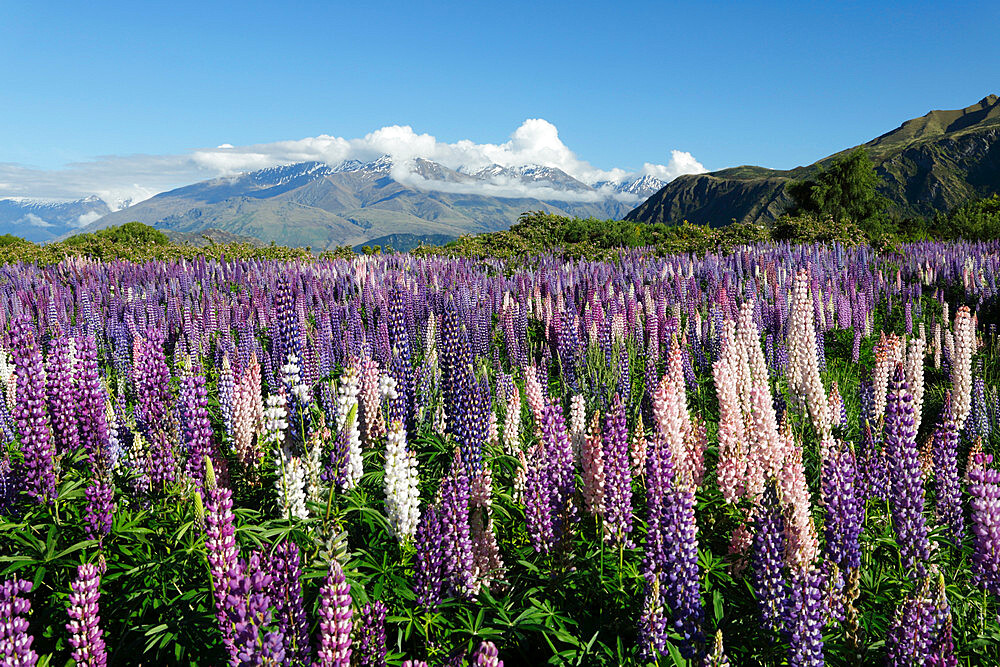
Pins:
x,y
535,395
733,460
593,468
637,449
486,561
803,542
512,423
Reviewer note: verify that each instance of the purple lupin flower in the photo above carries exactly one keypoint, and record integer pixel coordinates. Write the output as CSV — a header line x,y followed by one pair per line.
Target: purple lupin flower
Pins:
x,y
804,619
414,663
15,640
91,417
942,649
371,636
844,509
84,628
768,578
906,480
100,495
335,623
947,489
670,563
248,613
921,629
9,484
617,476
286,594
486,655
984,488
61,389
223,556
428,567
196,429
456,540
30,414
683,582
152,380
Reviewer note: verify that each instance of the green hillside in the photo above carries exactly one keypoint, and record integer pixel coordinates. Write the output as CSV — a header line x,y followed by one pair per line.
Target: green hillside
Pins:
x,y
928,165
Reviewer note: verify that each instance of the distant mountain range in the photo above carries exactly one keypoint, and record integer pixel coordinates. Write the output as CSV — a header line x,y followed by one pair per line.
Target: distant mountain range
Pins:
x,y
927,164
384,202
45,221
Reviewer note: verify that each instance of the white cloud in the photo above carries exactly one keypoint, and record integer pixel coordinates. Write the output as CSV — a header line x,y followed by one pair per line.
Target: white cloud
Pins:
x,y
120,179
33,220
87,218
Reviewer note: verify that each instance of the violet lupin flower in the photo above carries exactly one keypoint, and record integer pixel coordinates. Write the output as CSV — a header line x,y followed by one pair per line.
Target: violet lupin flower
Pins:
x,y
947,488
456,540
717,656
844,507
30,414
652,621
92,416
918,629
286,594
371,635
248,614
84,628
805,616
906,480
100,495
617,476
335,622
984,487
770,584
486,655
670,563
195,425
62,395
429,569
15,640
152,379
550,484
223,556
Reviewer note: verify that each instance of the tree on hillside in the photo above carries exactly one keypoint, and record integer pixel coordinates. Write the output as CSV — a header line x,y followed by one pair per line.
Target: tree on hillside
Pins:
x,y
847,190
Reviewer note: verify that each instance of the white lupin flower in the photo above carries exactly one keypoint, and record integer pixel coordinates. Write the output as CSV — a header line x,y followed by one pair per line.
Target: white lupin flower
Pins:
x,y
7,378
291,374
314,469
290,484
387,388
577,423
512,423
347,418
964,347
275,419
400,485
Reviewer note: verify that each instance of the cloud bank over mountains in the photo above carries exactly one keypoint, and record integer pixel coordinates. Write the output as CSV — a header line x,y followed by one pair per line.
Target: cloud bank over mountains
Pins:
x,y
121,180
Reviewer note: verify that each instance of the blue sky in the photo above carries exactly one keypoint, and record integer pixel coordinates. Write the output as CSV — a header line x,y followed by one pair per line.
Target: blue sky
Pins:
x,y
729,83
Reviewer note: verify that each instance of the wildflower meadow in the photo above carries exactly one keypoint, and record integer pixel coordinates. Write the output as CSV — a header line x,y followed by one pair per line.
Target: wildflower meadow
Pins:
x,y
779,455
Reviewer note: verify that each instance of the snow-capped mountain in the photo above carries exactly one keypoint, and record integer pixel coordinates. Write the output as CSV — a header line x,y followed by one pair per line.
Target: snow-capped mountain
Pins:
x,y
41,221
323,205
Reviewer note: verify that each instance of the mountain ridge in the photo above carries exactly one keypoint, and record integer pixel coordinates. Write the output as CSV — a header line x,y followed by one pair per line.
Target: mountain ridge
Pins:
x,y
928,165
354,202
